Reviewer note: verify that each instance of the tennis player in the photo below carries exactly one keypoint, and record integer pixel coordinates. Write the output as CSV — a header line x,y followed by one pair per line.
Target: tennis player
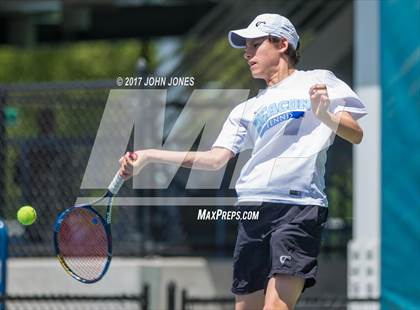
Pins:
x,y
289,127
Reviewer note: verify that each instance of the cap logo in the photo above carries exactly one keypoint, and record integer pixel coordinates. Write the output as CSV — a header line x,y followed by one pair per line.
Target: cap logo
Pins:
x,y
259,23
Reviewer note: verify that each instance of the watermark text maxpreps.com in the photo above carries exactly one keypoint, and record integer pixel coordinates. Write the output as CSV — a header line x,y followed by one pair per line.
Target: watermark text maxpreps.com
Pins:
x,y
219,214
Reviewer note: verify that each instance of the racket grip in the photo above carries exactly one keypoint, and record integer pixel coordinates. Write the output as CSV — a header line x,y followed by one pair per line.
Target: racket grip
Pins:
x,y
116,184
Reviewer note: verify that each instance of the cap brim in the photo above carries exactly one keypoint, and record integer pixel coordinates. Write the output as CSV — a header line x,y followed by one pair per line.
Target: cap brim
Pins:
x,y
237,38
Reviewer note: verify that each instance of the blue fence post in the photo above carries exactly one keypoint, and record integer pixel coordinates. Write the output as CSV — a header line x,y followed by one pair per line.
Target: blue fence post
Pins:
x,y
3,262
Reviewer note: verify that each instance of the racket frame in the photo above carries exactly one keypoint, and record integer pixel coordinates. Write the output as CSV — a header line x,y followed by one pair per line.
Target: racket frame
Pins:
x,y
106,222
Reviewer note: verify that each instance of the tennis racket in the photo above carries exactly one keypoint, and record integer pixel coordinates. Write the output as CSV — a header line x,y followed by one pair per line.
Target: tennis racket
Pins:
x,y
82,237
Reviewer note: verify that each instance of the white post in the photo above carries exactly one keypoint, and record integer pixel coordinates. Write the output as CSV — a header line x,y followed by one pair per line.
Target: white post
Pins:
x,y
364,248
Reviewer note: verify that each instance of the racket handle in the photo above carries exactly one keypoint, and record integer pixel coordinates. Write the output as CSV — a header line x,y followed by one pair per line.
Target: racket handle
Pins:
x,y
118,180
116,184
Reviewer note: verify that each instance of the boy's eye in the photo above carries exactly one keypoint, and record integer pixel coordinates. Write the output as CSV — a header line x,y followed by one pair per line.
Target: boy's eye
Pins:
x,y
254,45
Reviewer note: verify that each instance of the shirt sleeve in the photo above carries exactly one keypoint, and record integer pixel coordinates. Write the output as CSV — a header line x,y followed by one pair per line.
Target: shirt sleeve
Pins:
x,y
342,97
234,134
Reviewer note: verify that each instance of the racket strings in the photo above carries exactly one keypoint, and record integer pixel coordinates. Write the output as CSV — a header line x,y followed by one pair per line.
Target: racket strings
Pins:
x,y
83,243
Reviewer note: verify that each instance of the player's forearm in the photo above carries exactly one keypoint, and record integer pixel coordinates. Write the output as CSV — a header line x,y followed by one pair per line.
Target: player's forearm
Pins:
x,y
344,127
200,160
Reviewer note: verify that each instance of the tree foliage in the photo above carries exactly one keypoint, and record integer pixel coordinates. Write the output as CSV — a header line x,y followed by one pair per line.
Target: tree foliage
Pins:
x,y
70,61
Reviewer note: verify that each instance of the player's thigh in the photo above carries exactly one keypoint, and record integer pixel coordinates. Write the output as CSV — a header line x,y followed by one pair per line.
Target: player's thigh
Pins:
x,y
252,301
282,292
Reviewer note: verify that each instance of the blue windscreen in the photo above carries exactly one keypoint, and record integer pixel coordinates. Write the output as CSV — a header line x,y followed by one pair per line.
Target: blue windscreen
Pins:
x,y
400,83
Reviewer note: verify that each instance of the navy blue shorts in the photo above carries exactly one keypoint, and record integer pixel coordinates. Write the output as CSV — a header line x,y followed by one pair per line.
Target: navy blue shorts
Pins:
x,y
286,239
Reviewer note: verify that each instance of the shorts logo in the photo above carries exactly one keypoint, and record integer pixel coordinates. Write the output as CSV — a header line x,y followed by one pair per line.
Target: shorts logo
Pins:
x,y
283,258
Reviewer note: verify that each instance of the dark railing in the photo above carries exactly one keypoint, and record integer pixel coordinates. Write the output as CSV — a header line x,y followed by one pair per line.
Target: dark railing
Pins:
x,y
189,302
64,302
305,303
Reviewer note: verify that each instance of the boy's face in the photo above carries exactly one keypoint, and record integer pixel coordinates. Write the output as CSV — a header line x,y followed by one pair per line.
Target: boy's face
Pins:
x,y
263,57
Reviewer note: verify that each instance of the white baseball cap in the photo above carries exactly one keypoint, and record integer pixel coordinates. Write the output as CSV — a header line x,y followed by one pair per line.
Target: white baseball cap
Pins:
x,y
263,25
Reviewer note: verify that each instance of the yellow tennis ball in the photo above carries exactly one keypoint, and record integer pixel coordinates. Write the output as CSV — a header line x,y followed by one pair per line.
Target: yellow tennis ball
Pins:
x,y
26,215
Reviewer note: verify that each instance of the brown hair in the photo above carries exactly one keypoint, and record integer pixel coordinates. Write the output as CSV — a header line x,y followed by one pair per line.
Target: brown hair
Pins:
x,y
292,54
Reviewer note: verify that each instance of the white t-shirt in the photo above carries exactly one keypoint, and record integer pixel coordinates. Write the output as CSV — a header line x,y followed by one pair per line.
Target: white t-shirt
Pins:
x,y
289,143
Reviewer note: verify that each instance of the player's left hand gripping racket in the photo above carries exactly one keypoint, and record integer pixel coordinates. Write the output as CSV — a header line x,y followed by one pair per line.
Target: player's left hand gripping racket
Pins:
x,y
82,237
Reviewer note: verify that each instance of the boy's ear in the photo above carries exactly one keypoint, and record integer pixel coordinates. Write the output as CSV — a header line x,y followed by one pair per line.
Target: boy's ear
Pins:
x,y
280,43
284,45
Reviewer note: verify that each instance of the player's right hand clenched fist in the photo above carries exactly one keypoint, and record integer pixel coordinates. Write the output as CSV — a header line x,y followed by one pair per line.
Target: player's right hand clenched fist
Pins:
x,y
131,163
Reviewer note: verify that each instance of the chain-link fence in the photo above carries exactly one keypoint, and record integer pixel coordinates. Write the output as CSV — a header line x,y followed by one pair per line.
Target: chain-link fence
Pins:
x,y
46,140
48,133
